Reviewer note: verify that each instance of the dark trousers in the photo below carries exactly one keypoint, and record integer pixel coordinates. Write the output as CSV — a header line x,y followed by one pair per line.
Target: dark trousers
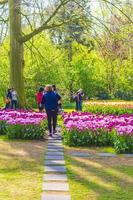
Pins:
x,y
13,104
52,120
79,105
7,106
40,107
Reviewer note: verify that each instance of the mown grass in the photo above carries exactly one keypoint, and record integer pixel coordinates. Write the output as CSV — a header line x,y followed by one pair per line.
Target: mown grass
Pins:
x,y
21,169
91,149
99,178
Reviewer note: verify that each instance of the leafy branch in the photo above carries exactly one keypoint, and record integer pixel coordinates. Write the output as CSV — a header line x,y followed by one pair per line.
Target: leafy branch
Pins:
x,y
3,2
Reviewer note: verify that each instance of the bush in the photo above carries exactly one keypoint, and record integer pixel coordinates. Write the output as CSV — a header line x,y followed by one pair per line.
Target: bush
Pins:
x,y
98,138
2,127
123,144
18,131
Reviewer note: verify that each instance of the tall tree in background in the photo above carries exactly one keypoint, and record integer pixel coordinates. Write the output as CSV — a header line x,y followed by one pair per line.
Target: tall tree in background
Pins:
x,y
73,32
19,30
17,39
16,50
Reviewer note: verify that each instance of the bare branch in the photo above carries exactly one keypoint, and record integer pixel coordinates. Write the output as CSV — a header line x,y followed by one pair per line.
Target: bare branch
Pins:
x,y
109,2
26,16
45,25
40,29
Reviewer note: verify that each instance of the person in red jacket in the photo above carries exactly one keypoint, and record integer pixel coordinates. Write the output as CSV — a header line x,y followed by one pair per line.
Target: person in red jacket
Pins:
x,y
39,97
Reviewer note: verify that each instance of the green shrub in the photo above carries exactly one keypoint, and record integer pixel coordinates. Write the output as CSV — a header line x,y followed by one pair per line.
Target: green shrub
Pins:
x,y
123,144
18,131
2,127
98,138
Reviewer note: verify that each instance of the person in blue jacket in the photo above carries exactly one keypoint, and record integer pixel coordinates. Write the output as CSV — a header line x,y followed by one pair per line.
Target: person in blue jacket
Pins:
x,y
50,101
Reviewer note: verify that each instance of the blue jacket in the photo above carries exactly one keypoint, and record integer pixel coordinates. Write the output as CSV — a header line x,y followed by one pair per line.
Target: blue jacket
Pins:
x,y
50,100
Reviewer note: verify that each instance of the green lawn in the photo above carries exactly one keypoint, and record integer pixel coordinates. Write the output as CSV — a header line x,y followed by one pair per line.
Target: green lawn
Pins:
x,y
96,178
99,178
21,169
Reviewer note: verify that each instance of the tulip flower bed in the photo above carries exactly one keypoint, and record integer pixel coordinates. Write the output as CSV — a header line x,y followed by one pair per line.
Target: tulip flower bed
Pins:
x,y
109,107
22,124
82,129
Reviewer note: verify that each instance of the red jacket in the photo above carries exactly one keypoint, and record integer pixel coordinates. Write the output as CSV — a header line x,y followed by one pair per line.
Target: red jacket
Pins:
x,y
39,97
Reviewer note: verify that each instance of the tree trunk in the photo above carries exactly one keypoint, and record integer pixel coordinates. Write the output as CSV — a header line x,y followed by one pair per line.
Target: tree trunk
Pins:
x,y
16,51
70,71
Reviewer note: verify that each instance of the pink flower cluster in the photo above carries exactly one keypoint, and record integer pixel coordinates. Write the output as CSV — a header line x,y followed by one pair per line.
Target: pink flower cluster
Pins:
x,y
123,124
22,117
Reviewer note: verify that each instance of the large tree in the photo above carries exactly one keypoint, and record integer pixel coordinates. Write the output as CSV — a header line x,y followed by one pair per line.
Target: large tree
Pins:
x,y
19,33
75,31
17,40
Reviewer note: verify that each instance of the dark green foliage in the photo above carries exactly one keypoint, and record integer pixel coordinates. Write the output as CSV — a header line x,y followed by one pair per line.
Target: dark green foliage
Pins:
x,y
87,138
88,71
2,127
122,144
26,132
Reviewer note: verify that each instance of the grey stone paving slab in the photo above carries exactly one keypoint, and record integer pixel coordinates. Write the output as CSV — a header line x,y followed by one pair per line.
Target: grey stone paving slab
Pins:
x,y
55,136
80,154
54,162
54,157
56,186
107,154
47,196
57,153
128,155
55,141
55,177
58,144
58,169
56,150
55,146
52,139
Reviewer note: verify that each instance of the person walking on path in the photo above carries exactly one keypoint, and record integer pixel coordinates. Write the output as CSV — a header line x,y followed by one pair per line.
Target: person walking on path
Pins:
x,y
8,99
39,97
79,100
59,98
50,102
14,99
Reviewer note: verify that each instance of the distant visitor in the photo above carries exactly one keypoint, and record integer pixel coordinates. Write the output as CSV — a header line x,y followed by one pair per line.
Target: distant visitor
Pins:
x,y
78,98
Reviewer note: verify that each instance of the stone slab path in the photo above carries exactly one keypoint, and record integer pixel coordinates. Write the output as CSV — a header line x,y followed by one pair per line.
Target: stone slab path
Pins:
x,y
55,182
88,155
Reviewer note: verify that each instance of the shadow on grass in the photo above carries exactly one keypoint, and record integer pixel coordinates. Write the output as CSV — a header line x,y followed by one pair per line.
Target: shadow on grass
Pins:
x,y
22,155
97,180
